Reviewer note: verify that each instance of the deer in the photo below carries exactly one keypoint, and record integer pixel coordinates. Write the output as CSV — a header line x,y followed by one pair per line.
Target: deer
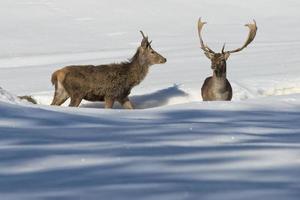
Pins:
x,y
108,83
217,87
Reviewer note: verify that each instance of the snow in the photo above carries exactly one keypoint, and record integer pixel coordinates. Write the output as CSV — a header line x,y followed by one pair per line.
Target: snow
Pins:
x,y
173,146
5,96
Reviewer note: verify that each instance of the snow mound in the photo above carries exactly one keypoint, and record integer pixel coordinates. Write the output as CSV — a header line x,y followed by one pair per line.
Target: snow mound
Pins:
x,y
7,97
272,88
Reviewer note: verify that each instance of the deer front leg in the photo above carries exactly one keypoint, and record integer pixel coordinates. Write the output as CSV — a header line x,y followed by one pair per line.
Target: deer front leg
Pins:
x,y
109,102
126,103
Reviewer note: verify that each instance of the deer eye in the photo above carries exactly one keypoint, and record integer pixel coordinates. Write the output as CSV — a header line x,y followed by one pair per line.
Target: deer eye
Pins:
x,y
152,52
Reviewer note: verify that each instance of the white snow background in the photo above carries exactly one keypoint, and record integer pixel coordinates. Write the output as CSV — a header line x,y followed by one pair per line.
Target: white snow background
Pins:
x,y
174,146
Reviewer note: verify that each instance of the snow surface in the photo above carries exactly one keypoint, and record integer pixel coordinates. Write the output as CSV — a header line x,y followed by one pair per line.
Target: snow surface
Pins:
x,y
173,146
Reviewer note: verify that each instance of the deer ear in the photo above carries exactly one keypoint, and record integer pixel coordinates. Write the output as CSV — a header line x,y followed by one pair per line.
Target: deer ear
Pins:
x,y
226,55
209,55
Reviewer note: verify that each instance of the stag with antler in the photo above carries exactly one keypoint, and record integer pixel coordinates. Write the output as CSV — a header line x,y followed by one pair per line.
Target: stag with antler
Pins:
x,y
109,83
217,87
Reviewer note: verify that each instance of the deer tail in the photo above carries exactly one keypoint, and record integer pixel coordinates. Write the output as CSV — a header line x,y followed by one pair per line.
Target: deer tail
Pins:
x,y
59,75
54,78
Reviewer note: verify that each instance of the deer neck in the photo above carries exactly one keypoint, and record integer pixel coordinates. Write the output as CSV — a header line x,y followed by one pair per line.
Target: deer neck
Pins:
x,y
138,70
219,79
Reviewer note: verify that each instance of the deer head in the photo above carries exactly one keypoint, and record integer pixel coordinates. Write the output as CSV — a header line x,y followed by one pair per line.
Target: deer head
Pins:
x,y
147,55
218,60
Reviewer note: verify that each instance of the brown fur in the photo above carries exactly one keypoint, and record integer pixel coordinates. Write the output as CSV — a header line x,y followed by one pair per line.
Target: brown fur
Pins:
x,y
109,83
28,98
217,87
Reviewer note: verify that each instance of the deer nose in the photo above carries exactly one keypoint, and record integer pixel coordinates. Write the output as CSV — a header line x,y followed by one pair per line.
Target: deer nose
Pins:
x,y
164,60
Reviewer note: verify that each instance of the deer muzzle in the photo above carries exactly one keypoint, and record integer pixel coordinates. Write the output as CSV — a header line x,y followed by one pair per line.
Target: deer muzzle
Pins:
x,y
163,60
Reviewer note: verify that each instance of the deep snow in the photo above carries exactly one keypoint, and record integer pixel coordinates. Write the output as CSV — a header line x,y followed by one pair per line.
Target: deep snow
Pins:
x,y
174,146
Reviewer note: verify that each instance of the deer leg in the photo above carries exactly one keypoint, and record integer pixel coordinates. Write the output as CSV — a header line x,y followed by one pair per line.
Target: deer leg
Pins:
x,y
75,101
57,101
60,95
109,102
126,103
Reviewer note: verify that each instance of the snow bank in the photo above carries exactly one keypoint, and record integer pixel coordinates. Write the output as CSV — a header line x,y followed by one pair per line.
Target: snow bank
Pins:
x,y
213,150
7,97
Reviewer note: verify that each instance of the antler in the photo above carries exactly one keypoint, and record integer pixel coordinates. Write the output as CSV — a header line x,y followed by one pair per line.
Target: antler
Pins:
x,y
143,35
252,33
203,47
145,39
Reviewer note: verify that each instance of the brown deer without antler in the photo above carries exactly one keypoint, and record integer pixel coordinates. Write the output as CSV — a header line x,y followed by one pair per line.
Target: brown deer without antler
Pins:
x,y
217,87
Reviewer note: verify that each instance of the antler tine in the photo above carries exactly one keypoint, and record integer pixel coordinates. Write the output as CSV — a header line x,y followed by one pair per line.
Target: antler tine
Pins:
x,y
203,47
143,35
252,33
223,48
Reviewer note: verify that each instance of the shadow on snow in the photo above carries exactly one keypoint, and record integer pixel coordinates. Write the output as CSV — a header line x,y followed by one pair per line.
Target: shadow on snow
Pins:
x,y
153,158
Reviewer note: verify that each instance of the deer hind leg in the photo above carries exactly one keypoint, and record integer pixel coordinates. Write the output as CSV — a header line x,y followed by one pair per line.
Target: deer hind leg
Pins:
x,y
75,101
60,94
109,102
126,103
